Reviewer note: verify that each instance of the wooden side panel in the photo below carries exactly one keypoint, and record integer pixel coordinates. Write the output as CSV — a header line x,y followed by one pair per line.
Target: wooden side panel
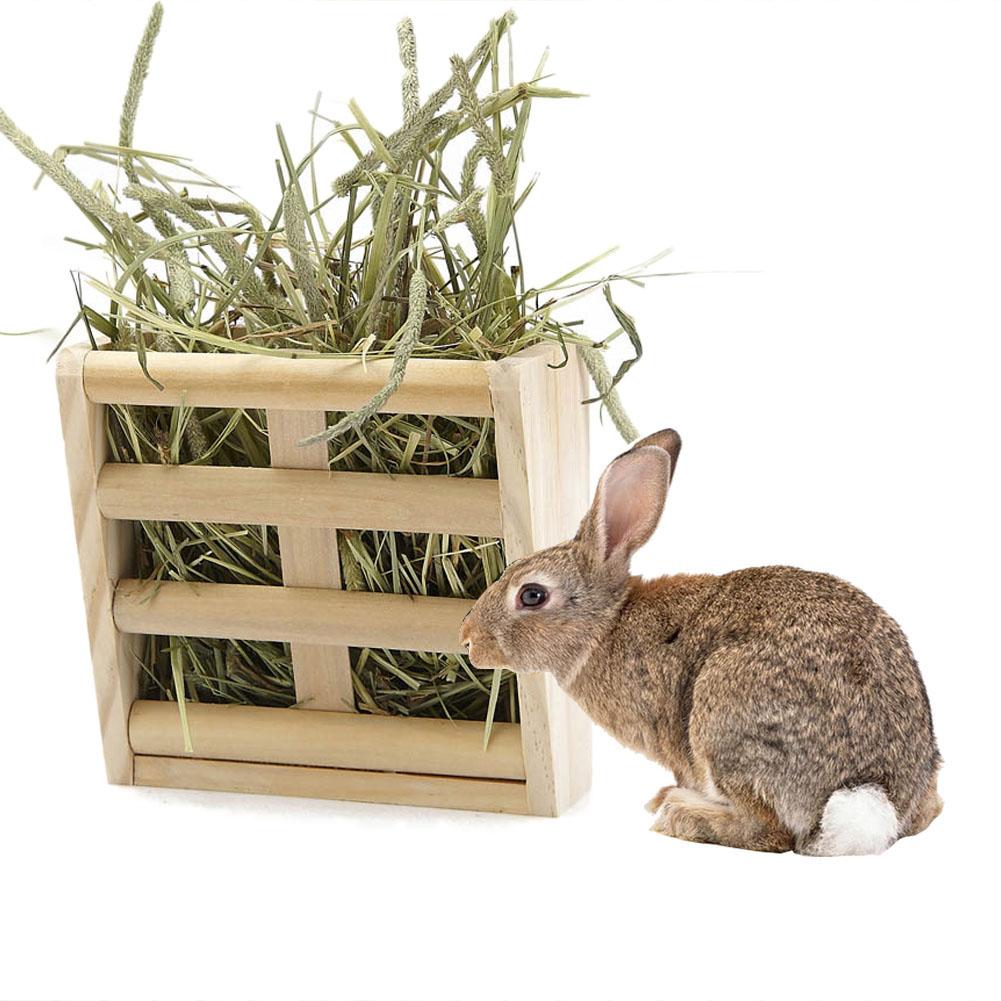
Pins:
x,y
322,674
329,740
105,551
494,795
542,457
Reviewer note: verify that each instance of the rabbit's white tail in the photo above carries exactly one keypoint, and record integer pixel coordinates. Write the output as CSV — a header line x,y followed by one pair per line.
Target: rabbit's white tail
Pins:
x,y
859,821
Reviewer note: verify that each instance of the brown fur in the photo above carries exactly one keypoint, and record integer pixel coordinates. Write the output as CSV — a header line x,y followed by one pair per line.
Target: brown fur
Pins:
x,y
690,816
763,690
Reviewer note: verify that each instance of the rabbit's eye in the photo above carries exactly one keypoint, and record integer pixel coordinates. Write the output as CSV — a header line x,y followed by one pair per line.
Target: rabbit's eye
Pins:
x,y
532,596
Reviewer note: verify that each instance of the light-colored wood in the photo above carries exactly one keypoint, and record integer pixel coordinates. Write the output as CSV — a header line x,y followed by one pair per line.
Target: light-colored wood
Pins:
x,y
541,493
290,614
300,497
446,387
105,551
494,795
321,674
542,461
329,740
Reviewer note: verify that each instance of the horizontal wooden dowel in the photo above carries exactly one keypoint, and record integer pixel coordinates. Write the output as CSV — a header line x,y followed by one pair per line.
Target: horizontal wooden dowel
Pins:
x,y
290,615
303,497
432,386
329,740
494,795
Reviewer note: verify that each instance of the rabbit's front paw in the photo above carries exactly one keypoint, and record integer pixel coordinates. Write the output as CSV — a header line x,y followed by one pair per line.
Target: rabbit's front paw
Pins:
x,y
685,814
654,805
690,816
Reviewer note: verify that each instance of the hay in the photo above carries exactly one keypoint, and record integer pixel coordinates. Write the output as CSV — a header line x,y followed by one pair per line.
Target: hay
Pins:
x,y
423,261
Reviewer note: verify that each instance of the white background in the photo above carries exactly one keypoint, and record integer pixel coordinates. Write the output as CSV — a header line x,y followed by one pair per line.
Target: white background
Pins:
x,y
835,380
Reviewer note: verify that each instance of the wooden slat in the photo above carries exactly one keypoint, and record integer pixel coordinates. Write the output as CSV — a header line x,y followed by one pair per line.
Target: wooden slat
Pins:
x,y
106,552
321,673
542,462
300,497
494,795
431,386
290,614
329,740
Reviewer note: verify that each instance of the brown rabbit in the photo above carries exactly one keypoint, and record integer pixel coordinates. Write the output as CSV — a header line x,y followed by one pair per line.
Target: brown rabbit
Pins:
x,y
787,704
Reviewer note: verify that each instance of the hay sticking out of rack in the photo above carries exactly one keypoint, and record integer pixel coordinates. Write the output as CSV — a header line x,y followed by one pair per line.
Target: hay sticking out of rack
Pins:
x,y
410,252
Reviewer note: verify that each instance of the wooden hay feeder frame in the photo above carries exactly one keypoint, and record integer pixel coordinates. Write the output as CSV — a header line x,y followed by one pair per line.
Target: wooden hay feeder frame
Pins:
x,y
538,766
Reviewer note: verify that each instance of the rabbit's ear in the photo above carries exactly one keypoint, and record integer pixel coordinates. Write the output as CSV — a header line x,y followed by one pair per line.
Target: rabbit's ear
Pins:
x,y
669,440
629,500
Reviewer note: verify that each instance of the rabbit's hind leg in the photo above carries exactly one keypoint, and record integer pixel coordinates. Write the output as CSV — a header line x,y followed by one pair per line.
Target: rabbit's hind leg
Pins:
x,y
929,806
690,816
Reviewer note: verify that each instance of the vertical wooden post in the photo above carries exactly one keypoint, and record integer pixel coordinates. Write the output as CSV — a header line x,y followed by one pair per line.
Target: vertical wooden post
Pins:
x,y
542,463
322,674
106,552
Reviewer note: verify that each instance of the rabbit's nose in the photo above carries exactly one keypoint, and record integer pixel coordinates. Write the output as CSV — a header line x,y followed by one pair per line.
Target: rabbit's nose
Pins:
x,y
465,634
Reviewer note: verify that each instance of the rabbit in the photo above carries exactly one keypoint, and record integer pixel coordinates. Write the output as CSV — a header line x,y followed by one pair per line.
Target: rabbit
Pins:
x,y
786,703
